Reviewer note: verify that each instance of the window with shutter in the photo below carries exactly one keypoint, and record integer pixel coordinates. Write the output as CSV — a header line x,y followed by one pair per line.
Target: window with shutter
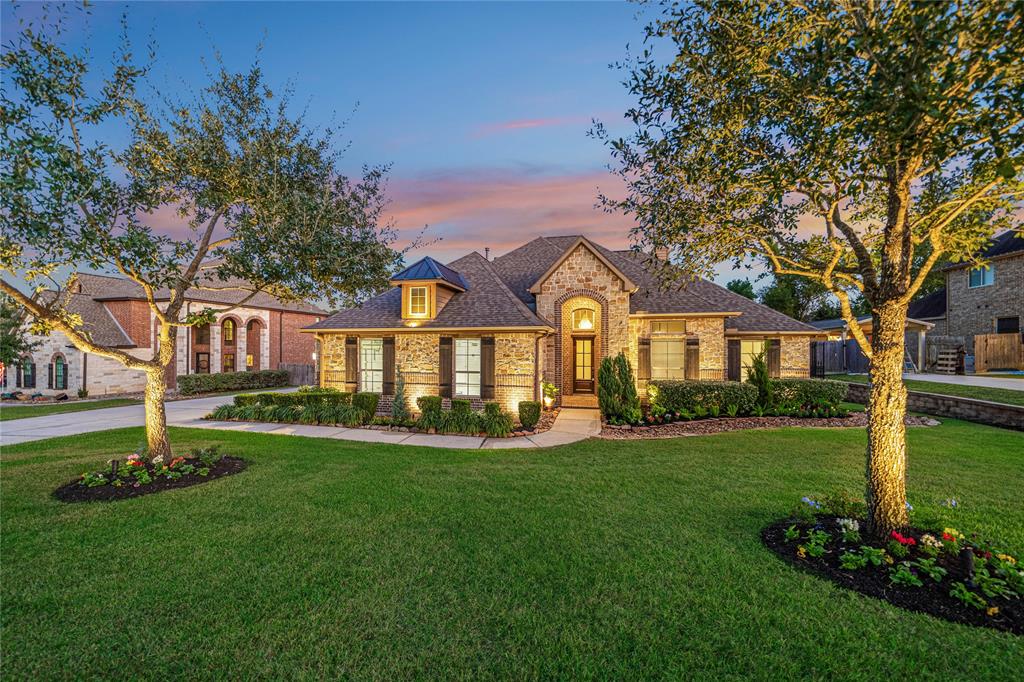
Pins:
x,y
643,370
444,367
487,367
389,365
693,359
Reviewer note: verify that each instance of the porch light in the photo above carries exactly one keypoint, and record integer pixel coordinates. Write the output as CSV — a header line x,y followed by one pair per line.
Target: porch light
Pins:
x,y
548,402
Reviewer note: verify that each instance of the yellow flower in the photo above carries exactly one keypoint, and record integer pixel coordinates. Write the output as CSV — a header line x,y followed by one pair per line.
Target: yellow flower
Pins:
x,y
954,532
801,551
1007,558
888,559
992,610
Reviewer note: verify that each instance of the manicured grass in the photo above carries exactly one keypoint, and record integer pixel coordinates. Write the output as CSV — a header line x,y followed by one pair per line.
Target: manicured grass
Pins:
x,y
11,411
1007,396
331,559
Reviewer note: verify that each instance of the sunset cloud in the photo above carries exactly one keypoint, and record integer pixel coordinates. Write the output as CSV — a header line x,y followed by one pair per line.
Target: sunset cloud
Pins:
x,y
503,127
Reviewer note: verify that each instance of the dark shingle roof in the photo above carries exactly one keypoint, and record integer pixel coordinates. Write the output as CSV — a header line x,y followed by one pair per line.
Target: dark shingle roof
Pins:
x,y
96,320
486,303
428,268
107,288
928,307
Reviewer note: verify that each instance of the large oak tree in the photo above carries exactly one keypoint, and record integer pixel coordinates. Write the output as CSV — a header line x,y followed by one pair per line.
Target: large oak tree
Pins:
x,y
852,143
262,201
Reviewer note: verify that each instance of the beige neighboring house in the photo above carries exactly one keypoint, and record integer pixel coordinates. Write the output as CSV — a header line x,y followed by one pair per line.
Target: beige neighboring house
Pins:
x,y
262,334
549,310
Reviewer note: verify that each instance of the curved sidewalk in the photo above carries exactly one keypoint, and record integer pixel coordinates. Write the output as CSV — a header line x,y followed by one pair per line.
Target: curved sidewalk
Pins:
x,y
570,426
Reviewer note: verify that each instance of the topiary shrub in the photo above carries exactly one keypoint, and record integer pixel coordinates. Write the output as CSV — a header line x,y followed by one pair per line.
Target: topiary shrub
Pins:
x,y
529,413
367,402
609,398
698,397
627,386
497,423
758,377
399,402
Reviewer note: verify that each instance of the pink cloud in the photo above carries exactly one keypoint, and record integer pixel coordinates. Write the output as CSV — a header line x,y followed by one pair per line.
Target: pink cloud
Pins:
x,y
502,209
502,127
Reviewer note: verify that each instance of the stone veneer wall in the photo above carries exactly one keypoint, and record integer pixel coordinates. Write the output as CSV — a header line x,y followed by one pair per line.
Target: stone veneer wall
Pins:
x,y
981,411
974,311
416,356
582,274
103,376
795,357
567,351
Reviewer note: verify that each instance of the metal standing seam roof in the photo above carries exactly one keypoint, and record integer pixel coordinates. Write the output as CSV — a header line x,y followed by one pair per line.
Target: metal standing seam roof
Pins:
x,y
428,268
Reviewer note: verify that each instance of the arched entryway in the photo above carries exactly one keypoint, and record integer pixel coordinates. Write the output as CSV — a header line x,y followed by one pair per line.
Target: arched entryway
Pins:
x,y
583,341
253,335
230,328
201,349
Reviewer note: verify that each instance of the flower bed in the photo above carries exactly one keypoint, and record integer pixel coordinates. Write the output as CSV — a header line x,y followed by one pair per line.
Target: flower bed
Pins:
x,y
699,427
939,572
135,476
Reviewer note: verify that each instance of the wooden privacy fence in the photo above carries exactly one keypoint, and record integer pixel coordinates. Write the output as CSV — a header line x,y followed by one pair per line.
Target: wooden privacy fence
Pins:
x,y
998,351
299,375
837,357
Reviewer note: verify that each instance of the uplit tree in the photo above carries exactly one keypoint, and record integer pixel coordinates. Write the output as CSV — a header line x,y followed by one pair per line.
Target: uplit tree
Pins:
x,y
839,140
265,203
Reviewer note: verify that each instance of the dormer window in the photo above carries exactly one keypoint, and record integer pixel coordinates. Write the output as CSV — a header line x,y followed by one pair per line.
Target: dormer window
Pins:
x,y
418,306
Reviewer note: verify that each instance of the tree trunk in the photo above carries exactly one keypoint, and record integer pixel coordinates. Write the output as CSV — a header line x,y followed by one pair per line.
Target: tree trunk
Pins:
x,y
159,448
887,406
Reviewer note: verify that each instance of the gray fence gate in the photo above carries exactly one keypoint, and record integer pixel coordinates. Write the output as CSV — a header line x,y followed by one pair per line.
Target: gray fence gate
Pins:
x,y
300,375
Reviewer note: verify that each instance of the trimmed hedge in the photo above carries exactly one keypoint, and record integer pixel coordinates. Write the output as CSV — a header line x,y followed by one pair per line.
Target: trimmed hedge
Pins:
x,y
675,396
191,384
346,415
367,402
294,399
809,392
529,413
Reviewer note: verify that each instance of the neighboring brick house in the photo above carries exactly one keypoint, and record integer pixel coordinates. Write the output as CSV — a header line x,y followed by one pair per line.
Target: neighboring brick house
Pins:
x,y
549,310
262,334
981,300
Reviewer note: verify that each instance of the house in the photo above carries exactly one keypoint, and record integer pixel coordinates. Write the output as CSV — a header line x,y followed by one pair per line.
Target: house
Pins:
x,y
549,310
261,334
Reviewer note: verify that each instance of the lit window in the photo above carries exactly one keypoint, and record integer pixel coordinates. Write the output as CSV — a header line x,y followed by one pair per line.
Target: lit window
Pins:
x,y
229,362
748,351
371,365
228,329
417,300
583,319
667,358
249,360
983,276
668,327
467,367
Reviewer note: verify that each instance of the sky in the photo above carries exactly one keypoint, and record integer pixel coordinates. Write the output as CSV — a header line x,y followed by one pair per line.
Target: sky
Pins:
x,y
480,109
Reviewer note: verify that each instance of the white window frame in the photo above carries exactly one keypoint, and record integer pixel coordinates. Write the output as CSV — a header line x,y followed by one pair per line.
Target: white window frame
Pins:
x,y
412,301
467,368
668,358
986,272
578,316
371,365
665,326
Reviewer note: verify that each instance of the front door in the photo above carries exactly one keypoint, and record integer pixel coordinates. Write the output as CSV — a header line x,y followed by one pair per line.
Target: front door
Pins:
x,y
583,365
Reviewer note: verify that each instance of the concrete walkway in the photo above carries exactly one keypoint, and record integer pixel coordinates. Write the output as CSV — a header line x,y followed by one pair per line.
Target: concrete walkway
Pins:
x,y
970,380
571,425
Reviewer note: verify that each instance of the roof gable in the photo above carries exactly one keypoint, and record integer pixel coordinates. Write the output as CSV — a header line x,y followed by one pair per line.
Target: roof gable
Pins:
x,y
429,269
583,242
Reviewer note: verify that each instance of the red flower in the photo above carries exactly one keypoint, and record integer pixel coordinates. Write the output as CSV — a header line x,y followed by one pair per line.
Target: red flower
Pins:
x,y
903,540
948,538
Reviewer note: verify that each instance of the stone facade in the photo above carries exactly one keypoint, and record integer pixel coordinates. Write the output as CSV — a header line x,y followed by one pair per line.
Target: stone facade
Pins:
x,y
100,376
981,411
971,311
795,357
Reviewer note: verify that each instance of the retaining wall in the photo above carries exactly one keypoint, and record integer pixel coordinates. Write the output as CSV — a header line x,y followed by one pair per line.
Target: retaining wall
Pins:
x,y
968,409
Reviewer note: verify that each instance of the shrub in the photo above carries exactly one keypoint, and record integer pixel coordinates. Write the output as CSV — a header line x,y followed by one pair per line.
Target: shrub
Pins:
x,y
497,423
430,412
698,397
809,393
191,384
317,389
223,412
367,402
758,376
616,391
399,402
529,413
627,383
243,399
461,419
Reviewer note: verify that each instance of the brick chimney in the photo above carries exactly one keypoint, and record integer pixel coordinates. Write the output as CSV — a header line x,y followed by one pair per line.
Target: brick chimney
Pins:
x,y
487,253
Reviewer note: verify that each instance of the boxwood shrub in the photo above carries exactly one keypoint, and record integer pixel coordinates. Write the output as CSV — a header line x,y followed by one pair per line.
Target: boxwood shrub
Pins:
x,y
809,392
529,413
367,402
191,384
688,395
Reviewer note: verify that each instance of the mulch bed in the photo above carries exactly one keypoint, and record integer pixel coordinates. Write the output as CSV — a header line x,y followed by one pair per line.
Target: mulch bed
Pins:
x,y
700,427
933,598
74,491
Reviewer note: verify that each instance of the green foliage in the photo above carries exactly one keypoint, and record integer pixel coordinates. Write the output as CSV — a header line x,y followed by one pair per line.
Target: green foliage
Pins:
x,y
743,287
852,561
758,377
902,574
809,392
549,389
400,401
461,419
960,592
930,569
695,396
223,412
367,402
192,384
497,423
791,533
616,391
14,338
799,297
529,413
875,557
430,412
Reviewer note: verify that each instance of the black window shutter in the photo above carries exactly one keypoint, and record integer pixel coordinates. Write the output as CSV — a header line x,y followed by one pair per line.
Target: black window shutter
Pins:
x,y
733,358
774,358
389,366
643,370
444,367
49,375
351,363
17,375
487,367
693,359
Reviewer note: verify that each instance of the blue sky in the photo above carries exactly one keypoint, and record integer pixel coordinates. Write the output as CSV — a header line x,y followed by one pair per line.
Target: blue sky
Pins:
x,y
481,109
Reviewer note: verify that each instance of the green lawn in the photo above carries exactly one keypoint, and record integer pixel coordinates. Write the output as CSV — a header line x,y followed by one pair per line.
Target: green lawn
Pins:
x,y
12,411
618,560
997,395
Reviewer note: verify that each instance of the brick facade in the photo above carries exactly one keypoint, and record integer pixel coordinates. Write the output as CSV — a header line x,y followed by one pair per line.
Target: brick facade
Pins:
x,y
134,318
974,311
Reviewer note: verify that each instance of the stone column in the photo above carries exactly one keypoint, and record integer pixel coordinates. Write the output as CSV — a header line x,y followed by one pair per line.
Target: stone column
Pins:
x,y
265,346
241,339
215,364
